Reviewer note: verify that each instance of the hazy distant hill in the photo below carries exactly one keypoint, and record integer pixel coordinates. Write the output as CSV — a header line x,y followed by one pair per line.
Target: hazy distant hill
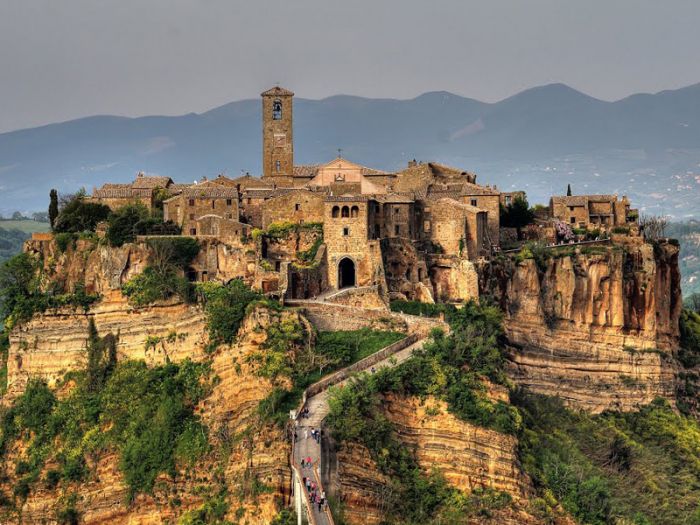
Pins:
x,y
647,146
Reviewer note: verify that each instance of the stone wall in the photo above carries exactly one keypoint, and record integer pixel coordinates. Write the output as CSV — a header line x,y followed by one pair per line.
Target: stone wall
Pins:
x,y
299,206
347,238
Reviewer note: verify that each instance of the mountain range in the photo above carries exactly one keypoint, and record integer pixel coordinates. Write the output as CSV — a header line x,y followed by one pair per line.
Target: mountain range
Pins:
x,y
646,145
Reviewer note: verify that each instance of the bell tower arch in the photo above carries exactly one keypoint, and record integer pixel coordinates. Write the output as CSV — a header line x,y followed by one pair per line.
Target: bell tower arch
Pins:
x,y
278,143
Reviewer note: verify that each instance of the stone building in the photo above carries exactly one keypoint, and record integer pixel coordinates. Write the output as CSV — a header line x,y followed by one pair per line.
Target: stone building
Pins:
x,y
199,200
414,233
459,229
592,210
145,189
299,206
278,141
353,259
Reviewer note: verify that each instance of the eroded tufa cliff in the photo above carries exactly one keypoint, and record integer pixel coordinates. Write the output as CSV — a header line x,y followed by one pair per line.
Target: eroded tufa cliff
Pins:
x,y
244,451
468,456
596,327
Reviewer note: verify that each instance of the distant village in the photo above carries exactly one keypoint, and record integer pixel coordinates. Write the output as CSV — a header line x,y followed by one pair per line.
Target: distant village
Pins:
x,y
301,231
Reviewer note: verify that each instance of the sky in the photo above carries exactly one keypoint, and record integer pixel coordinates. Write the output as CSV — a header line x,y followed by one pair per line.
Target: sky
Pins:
x,y
66,59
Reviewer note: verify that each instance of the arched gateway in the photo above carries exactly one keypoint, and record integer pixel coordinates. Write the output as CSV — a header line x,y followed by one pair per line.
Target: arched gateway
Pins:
x,y
346,273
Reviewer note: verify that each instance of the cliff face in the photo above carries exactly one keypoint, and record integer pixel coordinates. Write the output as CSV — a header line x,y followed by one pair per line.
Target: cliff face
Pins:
x,y
54,342
597,329
468,456
229,413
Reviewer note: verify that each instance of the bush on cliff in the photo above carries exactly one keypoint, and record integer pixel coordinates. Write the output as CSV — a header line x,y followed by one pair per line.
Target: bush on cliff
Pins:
x,y
689,353
145,414
163,277
78,215
225,306
125,223
637,467
450,367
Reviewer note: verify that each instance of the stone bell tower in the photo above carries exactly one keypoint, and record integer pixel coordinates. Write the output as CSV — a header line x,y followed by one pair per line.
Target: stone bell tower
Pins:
x,y
278,143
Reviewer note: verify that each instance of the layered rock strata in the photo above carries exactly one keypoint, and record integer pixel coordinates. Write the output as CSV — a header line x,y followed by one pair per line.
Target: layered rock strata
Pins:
x,y
596,329
242,449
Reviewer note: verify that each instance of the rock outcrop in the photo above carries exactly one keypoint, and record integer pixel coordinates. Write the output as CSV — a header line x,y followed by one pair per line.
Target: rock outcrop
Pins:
x,y
595,328
229,413
469,457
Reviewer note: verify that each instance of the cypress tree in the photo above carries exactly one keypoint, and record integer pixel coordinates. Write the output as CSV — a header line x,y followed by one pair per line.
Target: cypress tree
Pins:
x,y
53,206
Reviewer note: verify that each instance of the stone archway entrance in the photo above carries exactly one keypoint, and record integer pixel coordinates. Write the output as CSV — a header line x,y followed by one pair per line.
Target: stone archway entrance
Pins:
x,y
346,273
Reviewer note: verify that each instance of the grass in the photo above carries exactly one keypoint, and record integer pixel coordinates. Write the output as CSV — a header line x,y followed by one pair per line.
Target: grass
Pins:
x,y
25,226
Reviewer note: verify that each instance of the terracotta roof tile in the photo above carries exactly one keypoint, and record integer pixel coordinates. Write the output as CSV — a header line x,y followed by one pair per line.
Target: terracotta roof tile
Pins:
x,y
278,91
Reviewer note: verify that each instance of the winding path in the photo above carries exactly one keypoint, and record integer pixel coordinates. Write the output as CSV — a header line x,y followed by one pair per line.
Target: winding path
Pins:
x,y
305,446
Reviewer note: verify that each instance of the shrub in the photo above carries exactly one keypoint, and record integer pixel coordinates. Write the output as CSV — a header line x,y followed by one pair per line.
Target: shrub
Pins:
x,y
65,240
121,223
421,309
622,230
689,353
78,215
161,279
152,286
225,306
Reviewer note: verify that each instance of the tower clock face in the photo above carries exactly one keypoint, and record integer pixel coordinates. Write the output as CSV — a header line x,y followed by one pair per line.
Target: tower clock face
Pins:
x,y
280,140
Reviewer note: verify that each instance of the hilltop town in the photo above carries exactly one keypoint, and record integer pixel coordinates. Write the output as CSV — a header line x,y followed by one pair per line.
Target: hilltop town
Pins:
x,y
411,234
336,343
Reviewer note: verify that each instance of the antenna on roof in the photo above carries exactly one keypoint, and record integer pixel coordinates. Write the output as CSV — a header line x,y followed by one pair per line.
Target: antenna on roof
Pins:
x,y
340,153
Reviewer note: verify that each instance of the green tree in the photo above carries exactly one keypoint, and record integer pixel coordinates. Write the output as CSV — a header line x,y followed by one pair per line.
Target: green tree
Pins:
x,y
568,190
77,215
53,206
18,287
517,214
122,221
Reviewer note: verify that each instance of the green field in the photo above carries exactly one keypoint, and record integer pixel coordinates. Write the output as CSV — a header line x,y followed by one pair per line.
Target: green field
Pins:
x,y
28,226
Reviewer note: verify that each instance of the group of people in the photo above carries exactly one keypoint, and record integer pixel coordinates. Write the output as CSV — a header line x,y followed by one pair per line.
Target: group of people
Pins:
x,y
314,433
317,497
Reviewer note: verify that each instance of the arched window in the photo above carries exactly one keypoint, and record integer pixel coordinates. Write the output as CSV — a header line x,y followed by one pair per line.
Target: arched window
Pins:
x,y
335,212
354,211
277,110
278,166
345,212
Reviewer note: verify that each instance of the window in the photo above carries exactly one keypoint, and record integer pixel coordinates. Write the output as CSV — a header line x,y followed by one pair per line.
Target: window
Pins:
x,y
396,210
473,202
354,211
213,205
346,231
277,109
229,202
573,220
191,216
193,231
278,166
297,206
249,201
191,203
345,212
397,229
335,212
